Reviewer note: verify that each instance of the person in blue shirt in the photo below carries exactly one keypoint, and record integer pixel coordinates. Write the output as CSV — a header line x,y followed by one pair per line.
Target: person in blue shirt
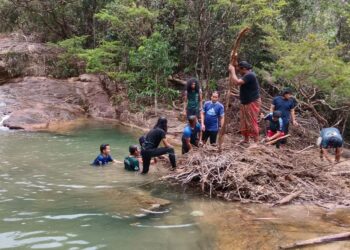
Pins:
x,y
192,134
104,157
286,104
212,118
275,128
330,138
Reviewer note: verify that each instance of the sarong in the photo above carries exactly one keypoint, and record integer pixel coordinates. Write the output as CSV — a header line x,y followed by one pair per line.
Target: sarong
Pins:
x,y
249,114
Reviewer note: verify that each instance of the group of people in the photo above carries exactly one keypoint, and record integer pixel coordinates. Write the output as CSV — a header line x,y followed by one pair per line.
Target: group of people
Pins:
x,y
206,119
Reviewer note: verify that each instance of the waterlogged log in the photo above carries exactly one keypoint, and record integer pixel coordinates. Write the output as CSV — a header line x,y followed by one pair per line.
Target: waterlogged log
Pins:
x,y
288,198
320,240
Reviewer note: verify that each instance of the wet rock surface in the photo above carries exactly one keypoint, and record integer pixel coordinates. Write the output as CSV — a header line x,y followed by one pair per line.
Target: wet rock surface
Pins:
x,y
39,102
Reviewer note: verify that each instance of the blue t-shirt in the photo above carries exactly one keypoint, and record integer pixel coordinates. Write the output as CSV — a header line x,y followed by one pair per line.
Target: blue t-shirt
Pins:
x,y
192,133
274,125
331,137
102,160
212,113
285,106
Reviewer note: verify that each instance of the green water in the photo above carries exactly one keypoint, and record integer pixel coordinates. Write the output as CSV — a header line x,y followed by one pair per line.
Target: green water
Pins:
x,y
51,198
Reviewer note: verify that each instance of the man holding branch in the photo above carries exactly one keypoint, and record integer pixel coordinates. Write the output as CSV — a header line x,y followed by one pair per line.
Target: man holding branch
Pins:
x,y
250,100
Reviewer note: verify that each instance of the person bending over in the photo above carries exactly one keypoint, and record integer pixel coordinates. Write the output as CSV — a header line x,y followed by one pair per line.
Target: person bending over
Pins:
x,y
275,128
104,157
212,118
330,138
132,162
152,140
192,134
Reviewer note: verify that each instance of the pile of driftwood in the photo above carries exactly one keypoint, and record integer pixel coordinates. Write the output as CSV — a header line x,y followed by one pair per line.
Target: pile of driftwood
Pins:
x,y
263,175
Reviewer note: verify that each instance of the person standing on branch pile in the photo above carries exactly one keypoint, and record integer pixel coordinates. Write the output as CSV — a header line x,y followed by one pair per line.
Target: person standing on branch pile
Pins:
x,y
250,100
330,138
286,104
212,117
193,98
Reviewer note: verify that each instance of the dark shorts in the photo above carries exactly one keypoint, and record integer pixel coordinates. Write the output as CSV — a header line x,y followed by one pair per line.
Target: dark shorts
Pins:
x,y
192,111
210,134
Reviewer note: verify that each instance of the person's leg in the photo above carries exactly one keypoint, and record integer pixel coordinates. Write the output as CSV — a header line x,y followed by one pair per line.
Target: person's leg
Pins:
x,y
163,151
286,131
213,136
243,124
337,154
185,148
205,136
146,161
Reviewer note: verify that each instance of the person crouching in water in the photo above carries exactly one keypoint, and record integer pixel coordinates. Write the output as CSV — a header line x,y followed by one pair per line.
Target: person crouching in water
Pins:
x,y
133,161
275,128
192,134
104,158
330,138
150,145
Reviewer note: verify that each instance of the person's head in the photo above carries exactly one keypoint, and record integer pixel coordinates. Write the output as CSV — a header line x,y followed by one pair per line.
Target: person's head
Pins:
x,y
192,120
276,115
192,85
162,123
287,93
134,150
215,96
105,149
244,67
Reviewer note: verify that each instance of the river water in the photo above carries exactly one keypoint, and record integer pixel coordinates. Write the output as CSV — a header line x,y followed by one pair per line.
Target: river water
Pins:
x,y
50,197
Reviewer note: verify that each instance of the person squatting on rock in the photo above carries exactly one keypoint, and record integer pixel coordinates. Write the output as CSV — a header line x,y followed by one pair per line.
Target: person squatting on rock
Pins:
x,y
104,157
192,135
330,138
151,142
212,118
275,128
249,95
192,98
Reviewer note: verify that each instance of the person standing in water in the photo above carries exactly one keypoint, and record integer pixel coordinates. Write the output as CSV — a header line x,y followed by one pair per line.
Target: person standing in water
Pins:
x,y
104,157
150,145
192,135
212,118
249,94
330,138
193,98
133,161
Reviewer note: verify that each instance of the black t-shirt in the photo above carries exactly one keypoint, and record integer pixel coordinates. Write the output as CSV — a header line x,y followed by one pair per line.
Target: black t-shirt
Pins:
x,y
153,138
249,91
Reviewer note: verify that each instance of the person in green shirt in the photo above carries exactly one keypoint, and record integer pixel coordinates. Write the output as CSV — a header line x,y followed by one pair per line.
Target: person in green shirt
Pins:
x,y
193,98
132,162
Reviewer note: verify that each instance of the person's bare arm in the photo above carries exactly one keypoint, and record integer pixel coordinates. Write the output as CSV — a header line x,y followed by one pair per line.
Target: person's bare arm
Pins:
x,y
338,152
294,121
116,161
222,121
324,153
272,108
188,143
202,120
200,100
166,143
233,76
275,136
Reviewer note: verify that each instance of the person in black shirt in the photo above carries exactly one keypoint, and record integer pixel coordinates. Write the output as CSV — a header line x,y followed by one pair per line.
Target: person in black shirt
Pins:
x,y
150,145
250,100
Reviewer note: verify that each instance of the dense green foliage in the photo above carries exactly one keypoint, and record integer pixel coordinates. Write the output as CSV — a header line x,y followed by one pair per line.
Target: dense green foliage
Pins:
x,y
300,43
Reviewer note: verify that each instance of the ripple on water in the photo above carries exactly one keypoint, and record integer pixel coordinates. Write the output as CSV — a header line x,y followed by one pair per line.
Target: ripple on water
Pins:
x,y
69,216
